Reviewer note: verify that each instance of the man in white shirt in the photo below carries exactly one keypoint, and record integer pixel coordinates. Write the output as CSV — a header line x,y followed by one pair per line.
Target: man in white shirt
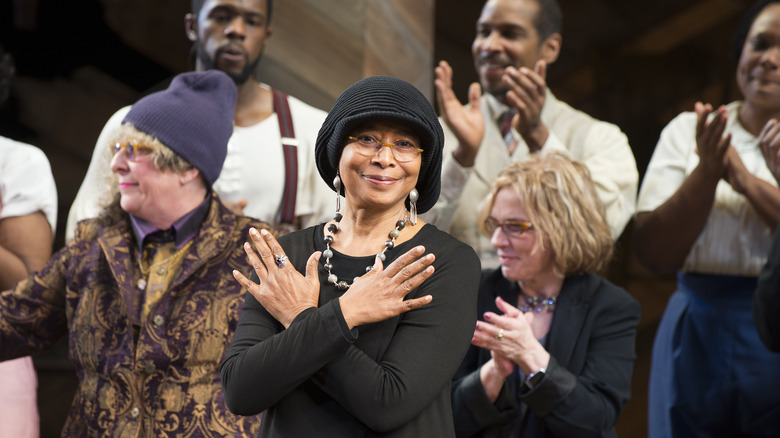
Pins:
x,y
230,36
515,41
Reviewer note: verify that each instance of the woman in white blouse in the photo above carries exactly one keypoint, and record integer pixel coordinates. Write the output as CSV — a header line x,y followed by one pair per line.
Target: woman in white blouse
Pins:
x,y
707,209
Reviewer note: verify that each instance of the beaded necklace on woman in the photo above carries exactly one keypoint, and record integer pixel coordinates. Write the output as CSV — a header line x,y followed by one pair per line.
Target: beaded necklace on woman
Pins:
x,y
333,229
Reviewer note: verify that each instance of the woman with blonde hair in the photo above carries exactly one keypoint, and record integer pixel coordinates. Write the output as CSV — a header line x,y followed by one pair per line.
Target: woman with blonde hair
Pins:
x,y
143,292
553,351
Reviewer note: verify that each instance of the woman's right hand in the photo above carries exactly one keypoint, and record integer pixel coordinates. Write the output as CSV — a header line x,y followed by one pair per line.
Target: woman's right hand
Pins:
x,y
282,291
510,336
379,294
493,374
711,144
467,123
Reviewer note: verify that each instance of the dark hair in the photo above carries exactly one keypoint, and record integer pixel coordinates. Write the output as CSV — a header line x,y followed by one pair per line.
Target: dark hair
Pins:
x,y
6,74
197,5
383,98
549,19
744,26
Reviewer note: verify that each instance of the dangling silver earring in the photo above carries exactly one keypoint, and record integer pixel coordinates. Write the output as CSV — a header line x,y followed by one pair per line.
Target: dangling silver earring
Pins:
x,y
337,186
413,197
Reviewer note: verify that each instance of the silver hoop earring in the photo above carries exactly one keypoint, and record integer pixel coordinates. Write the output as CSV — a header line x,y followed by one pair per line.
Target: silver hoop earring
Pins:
x,y
414,195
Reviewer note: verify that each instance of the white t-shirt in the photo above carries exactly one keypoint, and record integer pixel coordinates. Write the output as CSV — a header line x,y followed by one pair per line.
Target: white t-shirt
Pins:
x,y
253,170
735,241
26,186
601,146
26,182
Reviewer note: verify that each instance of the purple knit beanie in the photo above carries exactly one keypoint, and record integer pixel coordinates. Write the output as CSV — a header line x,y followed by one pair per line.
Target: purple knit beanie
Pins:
x,y
193,117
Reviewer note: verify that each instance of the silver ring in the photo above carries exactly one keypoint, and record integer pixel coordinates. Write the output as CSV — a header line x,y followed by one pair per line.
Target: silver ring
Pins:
x,y
500,335
280,260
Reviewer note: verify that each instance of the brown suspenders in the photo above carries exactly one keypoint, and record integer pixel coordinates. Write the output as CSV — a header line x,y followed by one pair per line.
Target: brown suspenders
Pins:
x,y
286,213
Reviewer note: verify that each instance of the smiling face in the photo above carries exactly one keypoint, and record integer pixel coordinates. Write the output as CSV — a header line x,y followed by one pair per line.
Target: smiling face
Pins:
x,y
506,36
758,71
230,36
521,259
146,192
378,181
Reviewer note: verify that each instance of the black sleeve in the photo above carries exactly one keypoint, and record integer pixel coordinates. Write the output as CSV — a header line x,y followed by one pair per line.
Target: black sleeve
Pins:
x,y
589,403
265,362
584,403
766,301
424,353
472,410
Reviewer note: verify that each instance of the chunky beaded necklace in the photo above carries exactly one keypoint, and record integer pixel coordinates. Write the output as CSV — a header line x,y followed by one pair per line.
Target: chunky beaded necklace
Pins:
x,y
328,253
537,304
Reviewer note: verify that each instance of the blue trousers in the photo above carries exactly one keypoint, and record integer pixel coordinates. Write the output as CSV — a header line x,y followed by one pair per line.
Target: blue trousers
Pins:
x,y
711,376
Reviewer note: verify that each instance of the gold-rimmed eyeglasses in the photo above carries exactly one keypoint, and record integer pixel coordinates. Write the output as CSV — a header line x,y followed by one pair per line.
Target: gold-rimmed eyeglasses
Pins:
x,y
132,150
403,150
511,228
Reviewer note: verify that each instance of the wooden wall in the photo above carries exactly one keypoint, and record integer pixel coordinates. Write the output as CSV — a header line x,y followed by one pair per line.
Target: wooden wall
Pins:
x,y
320,47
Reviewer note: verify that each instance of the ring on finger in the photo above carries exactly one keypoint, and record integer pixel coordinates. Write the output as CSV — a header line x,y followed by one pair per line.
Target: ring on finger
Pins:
x,y
280,260
500,335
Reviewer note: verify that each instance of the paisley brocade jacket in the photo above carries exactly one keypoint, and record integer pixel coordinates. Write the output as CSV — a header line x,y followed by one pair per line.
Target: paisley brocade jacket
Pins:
x,y
165,384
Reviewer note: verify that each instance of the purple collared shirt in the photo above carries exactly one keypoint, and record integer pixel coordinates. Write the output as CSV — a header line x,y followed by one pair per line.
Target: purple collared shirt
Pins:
x,y
182,231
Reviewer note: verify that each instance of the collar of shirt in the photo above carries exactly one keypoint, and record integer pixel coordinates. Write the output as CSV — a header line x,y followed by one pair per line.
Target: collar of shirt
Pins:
x,y
182,231
495,108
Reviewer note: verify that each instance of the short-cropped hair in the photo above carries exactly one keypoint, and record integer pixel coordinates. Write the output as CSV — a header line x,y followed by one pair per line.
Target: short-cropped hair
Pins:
x,y
560,199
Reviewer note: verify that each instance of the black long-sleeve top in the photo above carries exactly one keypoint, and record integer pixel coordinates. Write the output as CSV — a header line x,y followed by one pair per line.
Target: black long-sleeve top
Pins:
x,y
388,379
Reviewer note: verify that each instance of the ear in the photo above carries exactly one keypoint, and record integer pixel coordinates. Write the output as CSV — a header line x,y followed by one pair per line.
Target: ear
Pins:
x,y
551,48
268,32
188,176
191,27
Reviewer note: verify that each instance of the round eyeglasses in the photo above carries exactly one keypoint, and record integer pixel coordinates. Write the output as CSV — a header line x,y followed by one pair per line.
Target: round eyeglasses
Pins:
x,y
403,150
511,228
132,150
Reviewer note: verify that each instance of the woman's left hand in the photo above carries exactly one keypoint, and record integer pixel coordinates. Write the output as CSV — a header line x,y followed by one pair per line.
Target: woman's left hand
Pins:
x,y
282,291
510,336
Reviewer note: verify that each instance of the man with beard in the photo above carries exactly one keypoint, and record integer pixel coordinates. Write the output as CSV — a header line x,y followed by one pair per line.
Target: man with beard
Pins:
x,y
273,132
515,41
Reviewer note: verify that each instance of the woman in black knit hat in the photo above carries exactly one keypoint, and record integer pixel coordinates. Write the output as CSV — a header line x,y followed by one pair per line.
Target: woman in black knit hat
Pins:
x,y
356,326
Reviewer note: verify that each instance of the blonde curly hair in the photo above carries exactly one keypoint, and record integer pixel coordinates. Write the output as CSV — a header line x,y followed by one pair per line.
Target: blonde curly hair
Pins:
x,y
560,200
163,158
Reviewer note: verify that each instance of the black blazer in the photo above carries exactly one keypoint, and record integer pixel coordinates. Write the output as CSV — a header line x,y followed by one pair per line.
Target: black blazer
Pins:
x,y
588,381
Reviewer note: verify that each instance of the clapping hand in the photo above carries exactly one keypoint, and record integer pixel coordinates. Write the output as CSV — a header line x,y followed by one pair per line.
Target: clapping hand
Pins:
x,y
510,336
711,145
467,123
527,91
